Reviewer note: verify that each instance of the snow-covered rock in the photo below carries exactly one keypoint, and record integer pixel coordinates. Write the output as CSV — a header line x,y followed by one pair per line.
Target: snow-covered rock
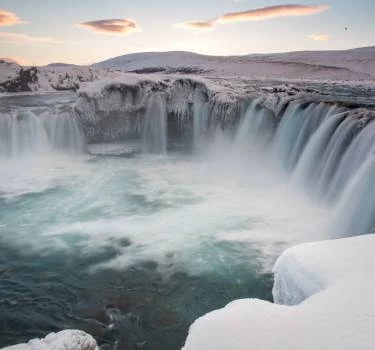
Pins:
x,y
64,340
113,110
56,77
331,288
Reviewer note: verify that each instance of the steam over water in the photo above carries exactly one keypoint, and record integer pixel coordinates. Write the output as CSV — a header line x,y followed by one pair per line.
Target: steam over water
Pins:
x,y
133,242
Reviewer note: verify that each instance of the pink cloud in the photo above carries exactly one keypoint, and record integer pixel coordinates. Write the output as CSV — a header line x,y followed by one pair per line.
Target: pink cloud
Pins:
x,y
259,14
201,26
111,26
271,12
8,18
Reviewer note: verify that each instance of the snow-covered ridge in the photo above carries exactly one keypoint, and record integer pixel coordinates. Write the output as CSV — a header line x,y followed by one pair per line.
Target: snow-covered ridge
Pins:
x,y
330,285
356,64
64,340
347,65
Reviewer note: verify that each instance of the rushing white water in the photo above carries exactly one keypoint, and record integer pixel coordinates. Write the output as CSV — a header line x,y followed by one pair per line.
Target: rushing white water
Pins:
x,y
210,222
255,129
23,132
200,116
154,135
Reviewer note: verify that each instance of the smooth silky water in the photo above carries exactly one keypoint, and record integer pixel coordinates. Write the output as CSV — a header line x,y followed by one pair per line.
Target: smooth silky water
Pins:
x,y
134,248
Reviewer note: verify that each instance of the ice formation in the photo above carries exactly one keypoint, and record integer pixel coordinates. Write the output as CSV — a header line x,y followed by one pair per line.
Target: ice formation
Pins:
x,y
64,340
329,289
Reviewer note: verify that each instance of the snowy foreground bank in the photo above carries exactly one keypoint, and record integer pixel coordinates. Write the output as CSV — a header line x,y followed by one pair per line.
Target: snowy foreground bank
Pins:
x,y
329,283
332,284
65,340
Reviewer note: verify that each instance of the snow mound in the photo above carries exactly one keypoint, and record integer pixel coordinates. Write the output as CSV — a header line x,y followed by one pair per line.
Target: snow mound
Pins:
x,y
64,340
330,285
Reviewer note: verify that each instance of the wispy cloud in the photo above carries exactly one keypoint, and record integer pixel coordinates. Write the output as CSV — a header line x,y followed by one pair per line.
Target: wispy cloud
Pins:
x,y
8,18
319,37
112,26
20,39
203,26
258,14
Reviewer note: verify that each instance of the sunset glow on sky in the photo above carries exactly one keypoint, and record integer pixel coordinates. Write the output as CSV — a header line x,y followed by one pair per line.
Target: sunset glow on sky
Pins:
x,y
83,32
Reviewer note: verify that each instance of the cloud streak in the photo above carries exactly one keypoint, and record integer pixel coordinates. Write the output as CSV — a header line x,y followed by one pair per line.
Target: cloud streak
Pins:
x,y
259,14
8,18
203,26
20,39
111,26
319,37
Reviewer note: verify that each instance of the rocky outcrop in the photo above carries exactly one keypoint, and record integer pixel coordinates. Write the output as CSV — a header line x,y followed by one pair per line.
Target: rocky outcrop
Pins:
x,y
22,82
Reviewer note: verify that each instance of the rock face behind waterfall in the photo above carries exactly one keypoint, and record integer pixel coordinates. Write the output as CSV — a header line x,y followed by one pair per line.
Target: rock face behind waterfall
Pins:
x,y
114,110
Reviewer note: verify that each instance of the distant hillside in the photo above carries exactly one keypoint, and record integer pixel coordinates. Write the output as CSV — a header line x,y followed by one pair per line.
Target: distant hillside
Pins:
x,y
355,64
350,65
58,64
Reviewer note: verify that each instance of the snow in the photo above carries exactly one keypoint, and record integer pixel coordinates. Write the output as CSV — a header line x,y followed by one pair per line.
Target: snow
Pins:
x,y
64,340
55,77
330,288
8,70
356,64
63,77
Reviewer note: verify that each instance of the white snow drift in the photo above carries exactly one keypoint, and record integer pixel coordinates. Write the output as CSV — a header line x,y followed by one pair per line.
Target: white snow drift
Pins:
x,y
65,340
331,285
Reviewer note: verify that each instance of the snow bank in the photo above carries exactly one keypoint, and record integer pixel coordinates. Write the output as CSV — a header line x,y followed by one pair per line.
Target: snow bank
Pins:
x,y
65,340
332,281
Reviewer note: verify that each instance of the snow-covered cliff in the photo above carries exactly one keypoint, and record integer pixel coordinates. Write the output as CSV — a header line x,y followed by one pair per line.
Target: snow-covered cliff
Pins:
x,y
111,110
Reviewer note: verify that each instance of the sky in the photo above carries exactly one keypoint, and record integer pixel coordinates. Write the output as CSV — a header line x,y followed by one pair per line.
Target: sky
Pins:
x,y
87,31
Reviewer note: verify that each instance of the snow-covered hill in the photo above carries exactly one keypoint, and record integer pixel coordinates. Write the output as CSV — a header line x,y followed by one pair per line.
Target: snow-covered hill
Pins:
x,y
55,77
356,64
350,65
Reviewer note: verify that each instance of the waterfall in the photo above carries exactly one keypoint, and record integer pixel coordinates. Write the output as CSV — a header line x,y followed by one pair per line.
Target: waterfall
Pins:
x,y
200,116
154,135
22,132
299,122
256,128
328,152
